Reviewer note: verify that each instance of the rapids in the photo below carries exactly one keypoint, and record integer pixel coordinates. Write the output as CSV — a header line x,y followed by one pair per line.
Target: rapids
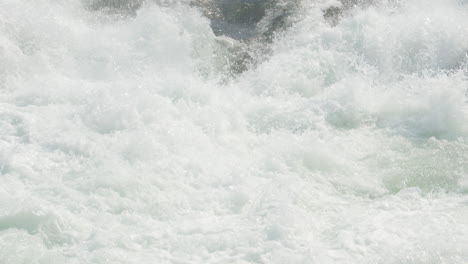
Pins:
x,y
216,131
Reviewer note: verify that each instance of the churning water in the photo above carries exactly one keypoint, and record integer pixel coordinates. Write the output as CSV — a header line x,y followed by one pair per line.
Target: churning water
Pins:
x,y
205,131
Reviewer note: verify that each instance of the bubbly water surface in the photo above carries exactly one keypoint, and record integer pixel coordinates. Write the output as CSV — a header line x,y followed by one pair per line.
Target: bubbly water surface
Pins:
x,y
233,131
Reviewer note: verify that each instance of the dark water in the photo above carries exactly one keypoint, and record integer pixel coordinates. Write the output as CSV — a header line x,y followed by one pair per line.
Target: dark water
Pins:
x,y
262,19
247,19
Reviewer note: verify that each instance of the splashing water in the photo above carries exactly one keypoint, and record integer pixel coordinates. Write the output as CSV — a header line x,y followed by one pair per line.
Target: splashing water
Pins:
x,y
233,131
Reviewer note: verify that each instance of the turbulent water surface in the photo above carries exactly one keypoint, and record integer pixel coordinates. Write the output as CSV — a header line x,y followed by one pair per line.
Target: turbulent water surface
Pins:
x,y
243,131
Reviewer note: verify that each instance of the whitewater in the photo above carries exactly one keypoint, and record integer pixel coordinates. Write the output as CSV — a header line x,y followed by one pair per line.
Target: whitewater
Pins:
x,y
244,131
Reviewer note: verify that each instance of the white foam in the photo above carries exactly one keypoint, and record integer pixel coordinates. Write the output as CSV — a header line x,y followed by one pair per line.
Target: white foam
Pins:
x,y
121,141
